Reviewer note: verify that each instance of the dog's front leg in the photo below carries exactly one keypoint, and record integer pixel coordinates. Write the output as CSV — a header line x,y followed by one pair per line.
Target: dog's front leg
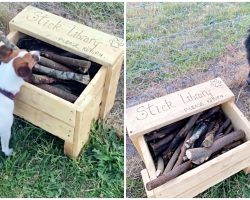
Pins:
x,y
5,139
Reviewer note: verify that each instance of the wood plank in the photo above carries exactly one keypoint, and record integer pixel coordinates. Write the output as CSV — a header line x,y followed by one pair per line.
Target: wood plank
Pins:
x,y
77,38
86,114
110,87
145,179
218,168
94,87
227,172
165,110
44,121
147,158
48,103
238,119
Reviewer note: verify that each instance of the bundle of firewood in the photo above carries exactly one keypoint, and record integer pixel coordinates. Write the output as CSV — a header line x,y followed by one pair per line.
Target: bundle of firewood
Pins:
x,y
184,145
59,72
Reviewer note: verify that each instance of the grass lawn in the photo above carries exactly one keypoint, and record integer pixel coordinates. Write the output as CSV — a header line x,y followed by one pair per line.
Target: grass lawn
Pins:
x,y
167,41
39,167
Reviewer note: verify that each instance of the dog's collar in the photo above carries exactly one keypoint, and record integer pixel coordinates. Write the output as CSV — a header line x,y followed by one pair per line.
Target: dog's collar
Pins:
x,y
7,94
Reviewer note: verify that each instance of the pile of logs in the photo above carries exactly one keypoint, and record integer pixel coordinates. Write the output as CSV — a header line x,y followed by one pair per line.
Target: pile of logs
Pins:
x,y
59,72
183,145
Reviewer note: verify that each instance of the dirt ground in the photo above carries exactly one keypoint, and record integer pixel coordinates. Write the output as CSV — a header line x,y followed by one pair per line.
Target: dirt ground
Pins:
x,y
232,68
111,24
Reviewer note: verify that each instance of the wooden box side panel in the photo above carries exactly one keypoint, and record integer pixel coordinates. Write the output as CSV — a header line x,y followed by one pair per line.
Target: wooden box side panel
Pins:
x,y
88,113
47,103
165,110
71,36
239,121
110,87
44,121
206,175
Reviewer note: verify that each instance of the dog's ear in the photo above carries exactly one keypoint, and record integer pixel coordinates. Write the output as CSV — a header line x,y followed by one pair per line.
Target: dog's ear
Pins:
x,y
5,52
24,71
23,65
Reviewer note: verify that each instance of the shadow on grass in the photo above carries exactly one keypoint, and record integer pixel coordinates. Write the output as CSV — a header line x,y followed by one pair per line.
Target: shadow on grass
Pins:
x,y
39,168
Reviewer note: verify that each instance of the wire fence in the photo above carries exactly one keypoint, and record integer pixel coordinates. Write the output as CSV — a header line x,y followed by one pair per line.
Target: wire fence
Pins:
x,y
107,17
166,40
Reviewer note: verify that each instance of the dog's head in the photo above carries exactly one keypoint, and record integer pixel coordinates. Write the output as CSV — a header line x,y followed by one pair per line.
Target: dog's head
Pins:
x,y
23,65
24,61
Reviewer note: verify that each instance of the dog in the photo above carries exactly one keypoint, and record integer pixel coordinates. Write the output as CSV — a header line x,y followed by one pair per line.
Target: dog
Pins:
x,y
15,66
247,46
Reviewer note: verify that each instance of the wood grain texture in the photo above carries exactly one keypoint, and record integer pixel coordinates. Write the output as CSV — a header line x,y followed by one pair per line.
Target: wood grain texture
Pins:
x,y
110,87
44,121
47,103
165,110
71,36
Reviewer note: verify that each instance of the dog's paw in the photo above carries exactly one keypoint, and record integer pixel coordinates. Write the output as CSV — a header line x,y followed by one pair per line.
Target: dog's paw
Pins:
x,y
8,152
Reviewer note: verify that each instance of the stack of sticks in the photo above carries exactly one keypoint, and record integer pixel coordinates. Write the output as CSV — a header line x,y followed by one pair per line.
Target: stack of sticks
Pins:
x,y
183,145
57,72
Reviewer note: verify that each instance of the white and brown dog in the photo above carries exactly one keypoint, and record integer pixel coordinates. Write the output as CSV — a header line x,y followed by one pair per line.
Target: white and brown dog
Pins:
x,y
15,66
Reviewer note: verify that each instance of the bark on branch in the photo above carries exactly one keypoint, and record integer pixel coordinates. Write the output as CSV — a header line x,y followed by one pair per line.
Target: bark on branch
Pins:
x,y
58,92
180,136
76,64
200,155
84,79
169,176
183,151
53,65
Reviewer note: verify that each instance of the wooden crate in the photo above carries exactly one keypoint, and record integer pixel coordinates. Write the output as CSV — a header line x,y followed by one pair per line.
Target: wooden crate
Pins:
x,y
168,109
69,121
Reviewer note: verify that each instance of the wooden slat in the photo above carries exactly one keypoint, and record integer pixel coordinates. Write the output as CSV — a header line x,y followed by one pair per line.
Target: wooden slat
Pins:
x,y
82,40
239,121
110,87
44,121
210,173
48,103
94,87
86,114
145,178
165,110
147,158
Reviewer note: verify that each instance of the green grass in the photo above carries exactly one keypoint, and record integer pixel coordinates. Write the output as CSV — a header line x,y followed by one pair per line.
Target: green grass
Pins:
x,y
190,35
101,11
39,168
135,188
